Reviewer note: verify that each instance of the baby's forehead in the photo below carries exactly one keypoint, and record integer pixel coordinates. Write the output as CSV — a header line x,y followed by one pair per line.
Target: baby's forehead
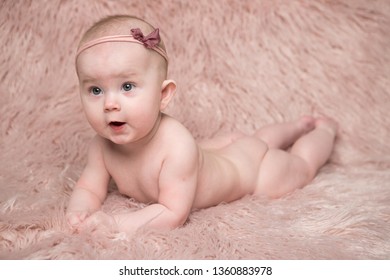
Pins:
x,y
116,58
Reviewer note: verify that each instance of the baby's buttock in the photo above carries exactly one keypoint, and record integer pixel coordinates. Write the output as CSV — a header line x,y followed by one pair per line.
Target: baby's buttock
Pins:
x,y
231,172
246,154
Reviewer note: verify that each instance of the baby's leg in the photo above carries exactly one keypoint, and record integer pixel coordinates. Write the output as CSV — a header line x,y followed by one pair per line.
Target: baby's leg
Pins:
x,y
283,135
282,172
280,135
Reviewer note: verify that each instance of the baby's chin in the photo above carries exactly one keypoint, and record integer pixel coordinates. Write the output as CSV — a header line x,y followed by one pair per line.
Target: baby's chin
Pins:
x,y
123,140
120,140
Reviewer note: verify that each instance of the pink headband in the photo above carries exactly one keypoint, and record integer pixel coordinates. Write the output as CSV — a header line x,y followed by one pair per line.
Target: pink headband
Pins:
x,y
150,41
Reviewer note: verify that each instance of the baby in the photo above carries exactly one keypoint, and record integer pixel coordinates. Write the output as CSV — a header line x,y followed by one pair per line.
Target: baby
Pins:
x,y
122,69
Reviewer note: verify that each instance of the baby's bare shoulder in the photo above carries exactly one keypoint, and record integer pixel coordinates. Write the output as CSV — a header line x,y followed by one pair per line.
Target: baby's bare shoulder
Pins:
x,y
177,142
175,133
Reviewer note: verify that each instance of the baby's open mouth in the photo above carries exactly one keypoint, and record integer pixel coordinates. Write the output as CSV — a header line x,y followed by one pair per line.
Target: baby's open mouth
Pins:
x,y
117,123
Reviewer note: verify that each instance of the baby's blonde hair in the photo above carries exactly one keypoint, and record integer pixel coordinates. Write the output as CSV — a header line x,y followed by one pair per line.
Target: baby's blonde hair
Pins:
x,y
119,25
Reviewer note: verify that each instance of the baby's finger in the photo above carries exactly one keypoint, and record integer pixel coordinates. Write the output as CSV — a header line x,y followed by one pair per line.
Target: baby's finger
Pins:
x,y
75,219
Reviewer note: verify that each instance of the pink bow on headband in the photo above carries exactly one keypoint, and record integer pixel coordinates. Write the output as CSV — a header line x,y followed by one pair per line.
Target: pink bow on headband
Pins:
x,y
150,41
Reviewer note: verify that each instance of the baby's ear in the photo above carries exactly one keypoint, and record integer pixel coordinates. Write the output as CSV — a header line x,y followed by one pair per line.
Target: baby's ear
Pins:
x,y
168,90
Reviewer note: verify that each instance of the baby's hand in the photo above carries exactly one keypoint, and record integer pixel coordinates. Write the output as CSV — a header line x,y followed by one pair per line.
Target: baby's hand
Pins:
x,y
99,221
76,218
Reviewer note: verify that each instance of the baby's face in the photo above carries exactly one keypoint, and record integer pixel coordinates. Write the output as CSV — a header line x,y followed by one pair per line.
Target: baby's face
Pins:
x,y
120,87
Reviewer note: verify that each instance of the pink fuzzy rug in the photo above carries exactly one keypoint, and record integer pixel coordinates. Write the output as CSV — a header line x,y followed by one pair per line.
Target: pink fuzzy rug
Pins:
x,y
239,65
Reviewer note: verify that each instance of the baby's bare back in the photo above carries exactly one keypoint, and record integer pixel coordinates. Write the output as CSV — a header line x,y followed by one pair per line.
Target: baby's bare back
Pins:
x,y
230,172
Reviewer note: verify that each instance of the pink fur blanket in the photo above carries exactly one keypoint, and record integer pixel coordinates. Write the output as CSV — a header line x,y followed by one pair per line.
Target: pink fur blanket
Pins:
x,y
239,65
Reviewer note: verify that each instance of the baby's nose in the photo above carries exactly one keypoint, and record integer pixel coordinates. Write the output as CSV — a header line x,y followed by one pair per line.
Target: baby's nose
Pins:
x,y
111,103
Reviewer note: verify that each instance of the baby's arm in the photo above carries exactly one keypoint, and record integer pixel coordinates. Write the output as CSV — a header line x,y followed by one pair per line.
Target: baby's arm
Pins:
x,y
91,189
177,189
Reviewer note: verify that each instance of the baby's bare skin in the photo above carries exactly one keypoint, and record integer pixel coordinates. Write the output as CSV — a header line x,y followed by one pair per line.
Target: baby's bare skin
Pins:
x,y
154,159
224,173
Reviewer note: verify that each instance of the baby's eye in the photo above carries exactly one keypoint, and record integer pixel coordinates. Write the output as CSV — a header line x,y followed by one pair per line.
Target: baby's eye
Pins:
x,y
127,86
95,90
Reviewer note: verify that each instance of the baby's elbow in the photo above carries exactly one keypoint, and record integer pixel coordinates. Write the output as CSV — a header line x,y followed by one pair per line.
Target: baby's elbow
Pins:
x,y
176,220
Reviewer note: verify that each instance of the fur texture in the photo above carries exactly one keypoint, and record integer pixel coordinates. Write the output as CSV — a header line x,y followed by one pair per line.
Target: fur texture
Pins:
x,y
239,65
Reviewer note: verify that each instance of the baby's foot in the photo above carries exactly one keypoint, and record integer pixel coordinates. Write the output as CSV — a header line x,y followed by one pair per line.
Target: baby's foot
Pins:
x,y
306,124
327,124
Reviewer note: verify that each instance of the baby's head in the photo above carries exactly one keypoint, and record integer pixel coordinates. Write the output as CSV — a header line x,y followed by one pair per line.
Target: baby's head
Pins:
x,y
123,28
121,64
